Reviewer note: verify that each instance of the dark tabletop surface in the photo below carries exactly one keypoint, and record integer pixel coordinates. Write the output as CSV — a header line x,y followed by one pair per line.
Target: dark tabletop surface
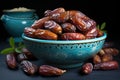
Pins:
x,y
71,74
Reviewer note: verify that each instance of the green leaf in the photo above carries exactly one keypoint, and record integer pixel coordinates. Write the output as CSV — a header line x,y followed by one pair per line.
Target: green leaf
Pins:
x,y
18,50
12,42
7,51
103,26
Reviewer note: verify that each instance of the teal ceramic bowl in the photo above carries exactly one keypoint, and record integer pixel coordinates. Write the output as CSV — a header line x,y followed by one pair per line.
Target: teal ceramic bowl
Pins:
x,y
64,54
15,26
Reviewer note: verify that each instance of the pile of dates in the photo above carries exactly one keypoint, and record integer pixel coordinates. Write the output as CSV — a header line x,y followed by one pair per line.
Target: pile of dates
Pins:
x,y
103,60
59,24
23,60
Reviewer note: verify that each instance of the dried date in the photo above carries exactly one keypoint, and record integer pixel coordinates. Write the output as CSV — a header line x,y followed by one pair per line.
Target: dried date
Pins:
x,y
92,33
60,18
68,27
29,31
28,67
47,70
11,61
87,68
45,34
54,12
39,24
72,36
110,65
97,59
53,26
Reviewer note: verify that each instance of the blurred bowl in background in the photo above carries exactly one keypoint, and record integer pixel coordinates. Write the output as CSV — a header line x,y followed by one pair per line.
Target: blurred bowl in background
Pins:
x,y
16,20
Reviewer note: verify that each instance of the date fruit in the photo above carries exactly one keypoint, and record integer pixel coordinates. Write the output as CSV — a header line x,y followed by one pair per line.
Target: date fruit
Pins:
x,y
72,36
110,65
11,61
53,26
47,70
45,34
97,59
39,24
68,27
29,31
54,12
60,18
87,68
28,67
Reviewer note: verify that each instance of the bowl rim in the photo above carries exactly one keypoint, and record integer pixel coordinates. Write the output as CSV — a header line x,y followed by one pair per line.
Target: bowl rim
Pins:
x,y
64,41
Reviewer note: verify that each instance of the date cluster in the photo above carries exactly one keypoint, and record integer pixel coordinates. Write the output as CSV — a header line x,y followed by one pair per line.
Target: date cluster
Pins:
x,y
61,24
103,60
23,60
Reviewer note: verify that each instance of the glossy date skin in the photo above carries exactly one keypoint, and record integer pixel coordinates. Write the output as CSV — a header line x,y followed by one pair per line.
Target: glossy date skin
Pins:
x,y
68,27
53,26
28,67
29,31
47,70
55,11
61,17
92,33
39,24
72,36
11,61
45,34
87,68
82,22
110,65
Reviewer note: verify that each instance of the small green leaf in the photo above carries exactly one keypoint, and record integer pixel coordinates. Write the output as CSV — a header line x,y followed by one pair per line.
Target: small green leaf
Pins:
x,y
103,26
7,51
18,50
12,42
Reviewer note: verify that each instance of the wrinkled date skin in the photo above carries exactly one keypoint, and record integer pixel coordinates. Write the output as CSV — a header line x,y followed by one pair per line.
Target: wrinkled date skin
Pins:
x,y
68,27
47,70
28,67
72,36
45,34
29,31
11,61
110,65
87,68
92,33
81,21
40,23
53,26
55,11
60,18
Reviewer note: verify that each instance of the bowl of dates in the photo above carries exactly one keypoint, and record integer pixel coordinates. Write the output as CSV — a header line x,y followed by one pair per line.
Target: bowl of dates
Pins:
x,y
64,38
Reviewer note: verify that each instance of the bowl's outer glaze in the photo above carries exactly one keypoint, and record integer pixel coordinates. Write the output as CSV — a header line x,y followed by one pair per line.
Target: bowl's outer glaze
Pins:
x,y
65,55
15,26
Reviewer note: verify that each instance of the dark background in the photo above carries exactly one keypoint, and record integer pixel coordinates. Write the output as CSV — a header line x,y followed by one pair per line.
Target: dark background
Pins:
x,y
99,10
